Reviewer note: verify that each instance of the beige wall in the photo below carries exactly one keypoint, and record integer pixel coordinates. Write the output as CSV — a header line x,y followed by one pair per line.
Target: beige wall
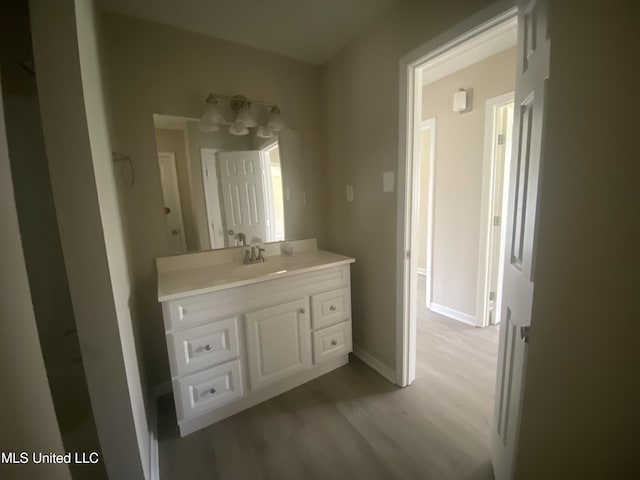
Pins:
x,y
580,413
174,141
361,95
458,176
158,69
91,230
27,415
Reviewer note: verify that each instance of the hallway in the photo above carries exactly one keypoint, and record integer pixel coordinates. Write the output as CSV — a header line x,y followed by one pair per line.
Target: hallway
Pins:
x,y
352,423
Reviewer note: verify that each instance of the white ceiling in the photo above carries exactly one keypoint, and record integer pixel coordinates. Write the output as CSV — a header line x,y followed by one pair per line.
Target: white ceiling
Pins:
x,y
307,30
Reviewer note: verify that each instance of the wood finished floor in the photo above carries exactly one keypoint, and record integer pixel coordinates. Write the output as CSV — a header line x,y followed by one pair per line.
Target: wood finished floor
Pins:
x,y
354,424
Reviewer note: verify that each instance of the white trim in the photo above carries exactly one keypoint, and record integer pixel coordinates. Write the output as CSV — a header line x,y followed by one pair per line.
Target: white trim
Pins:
x,y
409,96
267,183
484,45
453,314
422,271
429,124
154,457
488,190
211,205
374,363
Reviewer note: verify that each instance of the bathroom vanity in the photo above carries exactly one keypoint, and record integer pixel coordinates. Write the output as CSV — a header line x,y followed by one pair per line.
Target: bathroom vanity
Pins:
x,y
239,334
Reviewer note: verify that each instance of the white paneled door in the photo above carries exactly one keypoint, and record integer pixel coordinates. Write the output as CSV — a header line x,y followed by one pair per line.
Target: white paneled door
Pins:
x,y
531,82
243,195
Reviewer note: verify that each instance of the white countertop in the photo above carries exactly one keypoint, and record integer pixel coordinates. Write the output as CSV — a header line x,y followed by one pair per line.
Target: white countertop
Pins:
x,y
186,282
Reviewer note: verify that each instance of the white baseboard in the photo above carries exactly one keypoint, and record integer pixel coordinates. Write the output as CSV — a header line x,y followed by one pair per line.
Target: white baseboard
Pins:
x,y
453,314
422,271
154,459
374,363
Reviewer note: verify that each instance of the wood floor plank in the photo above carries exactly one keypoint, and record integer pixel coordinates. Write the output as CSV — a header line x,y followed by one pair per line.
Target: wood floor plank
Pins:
x,y
352,423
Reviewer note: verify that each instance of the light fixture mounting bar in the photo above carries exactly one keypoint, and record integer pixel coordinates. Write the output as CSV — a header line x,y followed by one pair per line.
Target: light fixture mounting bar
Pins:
x,y
232,98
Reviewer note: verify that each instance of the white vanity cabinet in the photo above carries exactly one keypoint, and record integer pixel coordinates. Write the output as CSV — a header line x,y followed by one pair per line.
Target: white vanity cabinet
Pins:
x,y
234,346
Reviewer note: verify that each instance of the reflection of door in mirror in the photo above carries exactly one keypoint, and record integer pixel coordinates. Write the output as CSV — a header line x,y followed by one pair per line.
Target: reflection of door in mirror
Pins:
x,y
172,204
243,196
217,235
270,194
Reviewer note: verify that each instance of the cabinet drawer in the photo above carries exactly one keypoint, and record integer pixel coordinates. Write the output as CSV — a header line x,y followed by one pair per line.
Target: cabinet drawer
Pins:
x,y
330,307
200,347
207,390
197,310
332,342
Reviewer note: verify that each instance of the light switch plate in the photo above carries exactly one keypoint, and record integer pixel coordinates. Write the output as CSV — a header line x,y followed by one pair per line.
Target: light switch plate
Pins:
x,y
387,182
349,193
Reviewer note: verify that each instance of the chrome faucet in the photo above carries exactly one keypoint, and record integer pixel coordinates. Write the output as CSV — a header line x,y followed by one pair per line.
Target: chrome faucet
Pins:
x,y
250,256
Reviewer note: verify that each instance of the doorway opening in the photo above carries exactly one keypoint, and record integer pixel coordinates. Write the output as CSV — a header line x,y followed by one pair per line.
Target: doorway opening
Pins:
x,y
515,296
498,141
461,118
274,194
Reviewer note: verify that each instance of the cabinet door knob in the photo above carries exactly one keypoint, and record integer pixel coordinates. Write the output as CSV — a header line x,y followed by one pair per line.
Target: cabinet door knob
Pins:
x,y
302,310
212,390
208,347
334,342
332,308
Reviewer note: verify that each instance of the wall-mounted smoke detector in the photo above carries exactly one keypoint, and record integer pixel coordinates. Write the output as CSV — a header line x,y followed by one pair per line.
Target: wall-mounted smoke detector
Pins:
x,y
460,101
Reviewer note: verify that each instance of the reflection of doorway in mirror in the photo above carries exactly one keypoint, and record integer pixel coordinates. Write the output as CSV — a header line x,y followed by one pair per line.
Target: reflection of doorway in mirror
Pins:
x,y
217,234
274,195
172,204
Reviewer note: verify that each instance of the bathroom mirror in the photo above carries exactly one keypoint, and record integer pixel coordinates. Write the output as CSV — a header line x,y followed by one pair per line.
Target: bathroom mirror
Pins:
x,y
222,190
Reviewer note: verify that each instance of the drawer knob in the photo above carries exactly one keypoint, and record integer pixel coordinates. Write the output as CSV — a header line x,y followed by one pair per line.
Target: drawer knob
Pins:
x,y
332,308
208,347
334,342
302,310
212,390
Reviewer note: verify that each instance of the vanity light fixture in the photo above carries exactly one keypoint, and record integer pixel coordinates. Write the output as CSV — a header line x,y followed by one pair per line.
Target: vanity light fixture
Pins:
x,y
242,107
211,118
265,132
275,120
238,129
245,118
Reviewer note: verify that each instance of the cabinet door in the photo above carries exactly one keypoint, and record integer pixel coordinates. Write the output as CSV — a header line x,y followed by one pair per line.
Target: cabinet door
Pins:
x,y
278,342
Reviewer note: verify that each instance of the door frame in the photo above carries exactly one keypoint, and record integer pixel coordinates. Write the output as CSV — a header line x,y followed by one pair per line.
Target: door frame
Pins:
x,y
268,185
431,125
487,238
448,44
212,212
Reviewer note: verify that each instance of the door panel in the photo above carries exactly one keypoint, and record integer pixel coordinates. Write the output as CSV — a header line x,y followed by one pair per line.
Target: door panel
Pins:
x,y
517,293
278,341
243,195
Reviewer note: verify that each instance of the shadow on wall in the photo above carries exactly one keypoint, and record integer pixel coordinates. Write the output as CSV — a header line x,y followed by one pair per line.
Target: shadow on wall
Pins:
x,y
41,240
